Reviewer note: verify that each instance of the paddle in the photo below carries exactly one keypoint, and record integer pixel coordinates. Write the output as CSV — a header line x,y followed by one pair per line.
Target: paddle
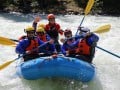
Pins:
x,y
108,52
103,29
87,10
99,30
9,62
14,40
6,41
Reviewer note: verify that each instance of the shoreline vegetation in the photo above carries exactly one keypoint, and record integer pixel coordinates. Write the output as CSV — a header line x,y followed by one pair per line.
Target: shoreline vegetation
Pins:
x,y
73,7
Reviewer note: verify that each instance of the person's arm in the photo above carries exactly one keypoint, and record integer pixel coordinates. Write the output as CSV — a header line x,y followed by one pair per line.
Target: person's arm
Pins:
x,y
48,37
36,20
47,28
20,48
63,49
34,25
46,44
80,36
40,42
77,37
60,31
92,39
74,44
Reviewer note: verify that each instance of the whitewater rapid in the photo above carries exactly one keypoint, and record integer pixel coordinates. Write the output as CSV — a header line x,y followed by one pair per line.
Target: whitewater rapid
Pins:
x,y
107,66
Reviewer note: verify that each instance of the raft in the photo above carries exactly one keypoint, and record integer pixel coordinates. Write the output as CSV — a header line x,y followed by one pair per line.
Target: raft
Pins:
x,y
60,67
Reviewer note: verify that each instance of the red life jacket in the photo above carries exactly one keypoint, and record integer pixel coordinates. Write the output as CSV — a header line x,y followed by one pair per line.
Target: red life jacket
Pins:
x,y
43,38
83,48
33,45
52,26
52,30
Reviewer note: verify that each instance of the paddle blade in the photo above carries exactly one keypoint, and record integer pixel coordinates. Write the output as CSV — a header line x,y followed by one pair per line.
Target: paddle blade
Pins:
x,y
6,64
89,6
13,45
103,29
6,41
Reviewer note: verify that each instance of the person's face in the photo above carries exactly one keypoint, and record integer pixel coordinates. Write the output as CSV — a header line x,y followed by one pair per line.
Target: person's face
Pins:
x,y
30,34
82,33
52,20
40,33
68,36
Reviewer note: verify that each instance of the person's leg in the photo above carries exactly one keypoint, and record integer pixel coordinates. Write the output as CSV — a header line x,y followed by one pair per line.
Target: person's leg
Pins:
x,y
57,46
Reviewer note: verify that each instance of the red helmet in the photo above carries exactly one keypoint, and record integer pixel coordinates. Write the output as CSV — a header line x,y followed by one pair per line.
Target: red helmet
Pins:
x,y
67,31
50,16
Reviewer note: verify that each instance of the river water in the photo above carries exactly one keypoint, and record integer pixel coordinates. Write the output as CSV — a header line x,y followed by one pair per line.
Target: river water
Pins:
x,y
107,66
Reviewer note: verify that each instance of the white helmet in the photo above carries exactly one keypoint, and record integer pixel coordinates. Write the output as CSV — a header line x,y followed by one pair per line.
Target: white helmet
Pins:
x,y
84,29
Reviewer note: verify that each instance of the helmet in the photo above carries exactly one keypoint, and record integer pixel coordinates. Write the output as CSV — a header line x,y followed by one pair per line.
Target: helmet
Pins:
x,y
67,31
50,16
41,25
84,29
40,29
29,28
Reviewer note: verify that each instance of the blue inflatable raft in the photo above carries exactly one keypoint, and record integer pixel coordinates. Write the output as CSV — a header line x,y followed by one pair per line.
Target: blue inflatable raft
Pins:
x,y
65,67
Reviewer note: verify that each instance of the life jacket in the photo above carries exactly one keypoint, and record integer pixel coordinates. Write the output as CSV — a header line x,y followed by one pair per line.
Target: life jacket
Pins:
x,y
43,38
83,48
33,45
52,30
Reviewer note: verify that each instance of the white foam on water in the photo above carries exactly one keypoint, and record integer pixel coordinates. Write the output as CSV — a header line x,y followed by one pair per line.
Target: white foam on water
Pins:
x,y
107,66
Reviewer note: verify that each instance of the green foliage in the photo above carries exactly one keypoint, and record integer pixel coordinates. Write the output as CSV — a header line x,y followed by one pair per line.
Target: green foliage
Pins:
x,y
100,6
111,6
81,3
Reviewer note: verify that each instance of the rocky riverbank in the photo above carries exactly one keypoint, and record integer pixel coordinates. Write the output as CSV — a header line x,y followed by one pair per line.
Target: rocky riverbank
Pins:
x,y
60,7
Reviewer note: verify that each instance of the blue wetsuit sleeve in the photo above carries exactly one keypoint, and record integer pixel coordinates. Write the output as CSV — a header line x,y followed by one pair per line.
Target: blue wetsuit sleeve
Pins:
x,y
40,42
63,49
48,48
93,38
79,36
74,44
48,37
21,47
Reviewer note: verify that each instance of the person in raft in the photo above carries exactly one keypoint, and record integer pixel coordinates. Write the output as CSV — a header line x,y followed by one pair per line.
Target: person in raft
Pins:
x,y
44,37
83,48
35,22
41,34
53,29
31,46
